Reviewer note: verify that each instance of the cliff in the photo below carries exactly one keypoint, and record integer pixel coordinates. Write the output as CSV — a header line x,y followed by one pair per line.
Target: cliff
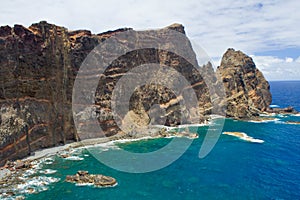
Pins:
x,y
39,64
247,91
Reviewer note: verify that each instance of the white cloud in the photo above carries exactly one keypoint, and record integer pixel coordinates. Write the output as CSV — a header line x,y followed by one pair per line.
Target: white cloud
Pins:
x,y
289,60
275,68
252,26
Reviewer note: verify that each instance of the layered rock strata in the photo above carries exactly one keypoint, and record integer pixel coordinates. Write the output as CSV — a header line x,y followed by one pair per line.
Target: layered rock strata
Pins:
x,y
39,64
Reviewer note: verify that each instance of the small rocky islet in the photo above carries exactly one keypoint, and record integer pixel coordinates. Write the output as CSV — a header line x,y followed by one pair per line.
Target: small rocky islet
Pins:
x,y
97,180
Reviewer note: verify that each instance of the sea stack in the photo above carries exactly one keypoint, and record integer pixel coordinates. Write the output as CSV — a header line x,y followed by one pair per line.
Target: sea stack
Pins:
x,y
248,92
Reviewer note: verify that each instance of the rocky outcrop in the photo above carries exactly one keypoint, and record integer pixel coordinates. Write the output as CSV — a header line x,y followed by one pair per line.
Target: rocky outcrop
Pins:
x,y
247,91
287,110
38,66
98,180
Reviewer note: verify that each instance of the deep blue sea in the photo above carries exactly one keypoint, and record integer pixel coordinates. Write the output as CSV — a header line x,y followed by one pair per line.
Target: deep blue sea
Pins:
x,y
234,169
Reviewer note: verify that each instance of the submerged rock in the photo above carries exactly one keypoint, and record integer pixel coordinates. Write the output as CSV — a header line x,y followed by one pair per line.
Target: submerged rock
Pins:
x,y
287,110
99,180
293,122
244,136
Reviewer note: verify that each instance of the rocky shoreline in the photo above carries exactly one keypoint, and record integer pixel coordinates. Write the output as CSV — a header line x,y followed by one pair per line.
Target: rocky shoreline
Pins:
x,y
13,173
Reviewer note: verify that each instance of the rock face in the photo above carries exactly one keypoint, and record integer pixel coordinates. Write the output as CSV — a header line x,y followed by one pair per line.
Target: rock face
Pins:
x,y
38,66
247,91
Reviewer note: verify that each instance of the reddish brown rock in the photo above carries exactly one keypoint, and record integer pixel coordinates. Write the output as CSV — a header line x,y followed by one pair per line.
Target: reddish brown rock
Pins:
x,y
99,180
248,92
38,66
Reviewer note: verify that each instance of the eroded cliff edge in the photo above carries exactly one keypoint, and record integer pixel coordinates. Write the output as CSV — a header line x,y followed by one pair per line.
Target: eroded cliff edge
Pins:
x,y
38,66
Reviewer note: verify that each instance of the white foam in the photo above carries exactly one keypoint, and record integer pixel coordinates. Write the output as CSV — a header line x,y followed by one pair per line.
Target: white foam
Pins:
x,y
75,158
107,145
48,171
265,121
103,146
192,125
36,184
108,186
282,115
48,163
84,184
267,115
243,136
279,122
47,160
91,184
37,166
274,106
294,115
29,172
168,128
163,126
50,159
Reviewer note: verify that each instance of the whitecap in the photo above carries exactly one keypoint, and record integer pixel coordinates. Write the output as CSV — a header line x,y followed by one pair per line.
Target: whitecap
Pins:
x,y
265,120
169,128
266,115
132,140
101,146
48,163
279,122
274,106
74,158
192,125
48,171
47,160
29,172
244,136
92,184
36,184
108,145
294,115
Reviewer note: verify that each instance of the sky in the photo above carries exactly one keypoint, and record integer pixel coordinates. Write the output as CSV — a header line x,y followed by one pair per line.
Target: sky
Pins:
x,y
267,30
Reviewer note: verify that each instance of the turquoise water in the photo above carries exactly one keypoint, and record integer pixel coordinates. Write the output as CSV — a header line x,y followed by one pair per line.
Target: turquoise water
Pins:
x,y
235,169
